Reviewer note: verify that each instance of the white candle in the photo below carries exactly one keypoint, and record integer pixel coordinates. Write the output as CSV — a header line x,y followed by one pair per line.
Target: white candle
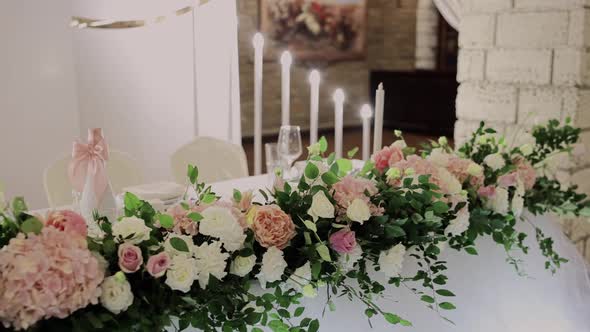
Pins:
x,y
286,61
366,115
379,105
338,121
258,43
314,81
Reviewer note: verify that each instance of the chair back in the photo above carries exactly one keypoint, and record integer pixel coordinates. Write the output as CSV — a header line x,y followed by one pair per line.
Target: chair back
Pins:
x,y
123,171
216,159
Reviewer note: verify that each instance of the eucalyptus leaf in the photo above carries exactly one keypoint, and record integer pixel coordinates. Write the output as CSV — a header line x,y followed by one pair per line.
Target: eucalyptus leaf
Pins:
x,y
31,225
166,221
324,252
179,244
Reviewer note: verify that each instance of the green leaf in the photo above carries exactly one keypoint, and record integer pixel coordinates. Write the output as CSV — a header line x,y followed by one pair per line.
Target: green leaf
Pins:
x,y
208,198
166,221
299,311
444,292
314,326
440,207
310,225
393,231
31,225
179,244
352,152
316,269
331,158
427,299
447,306
311,171
391,318
192,173
330,178
324,252
237,195
404,322
585,212
195,216
131,201
109,247
471,250
323,144
344,166
19,206
367,167
256,329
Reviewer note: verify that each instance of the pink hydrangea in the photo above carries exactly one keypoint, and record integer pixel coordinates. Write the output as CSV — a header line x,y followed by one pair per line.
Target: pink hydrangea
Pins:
x,y
438,176
68,221
350,188
487,192
459,168
508,180
48,275
526,173
387,156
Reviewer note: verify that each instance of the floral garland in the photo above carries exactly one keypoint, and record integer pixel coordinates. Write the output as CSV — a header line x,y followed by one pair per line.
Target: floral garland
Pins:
x,y
193,264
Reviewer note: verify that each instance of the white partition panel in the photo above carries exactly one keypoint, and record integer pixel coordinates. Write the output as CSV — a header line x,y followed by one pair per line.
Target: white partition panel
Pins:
x,y
138,85
38,118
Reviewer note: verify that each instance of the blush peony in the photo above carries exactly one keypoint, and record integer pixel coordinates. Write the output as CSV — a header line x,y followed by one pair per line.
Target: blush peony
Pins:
x,y
343,241
350,188
68,221
272,227
387,156
48,275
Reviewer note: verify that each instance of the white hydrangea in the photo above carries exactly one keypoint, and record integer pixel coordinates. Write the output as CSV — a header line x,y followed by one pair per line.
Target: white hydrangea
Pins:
x,y
494,161
241,266
182,273
460,224
347,261
358,211
390,261
449,182
526,149
273,266
439,157
170,250
210,261
116,295
220,223
131,229
300,278
499,202
321,207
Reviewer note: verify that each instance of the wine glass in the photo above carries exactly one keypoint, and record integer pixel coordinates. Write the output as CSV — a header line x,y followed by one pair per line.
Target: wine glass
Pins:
x,y
289,145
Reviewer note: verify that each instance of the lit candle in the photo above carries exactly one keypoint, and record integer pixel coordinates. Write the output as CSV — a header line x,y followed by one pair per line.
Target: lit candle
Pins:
x,y
366,115
314,81
338,121
379,105
286,61
258,43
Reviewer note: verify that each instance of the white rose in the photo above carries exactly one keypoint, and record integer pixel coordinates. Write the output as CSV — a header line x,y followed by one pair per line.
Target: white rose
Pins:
x,y
400,144
220,223
132,230
460,224
347,261
526,149
439,157
273,266
181,274
210,261
449,182
300,278
170,250
241,266
517,205
390,261
495,161
499,203
321,207
358,211
116,295
474,169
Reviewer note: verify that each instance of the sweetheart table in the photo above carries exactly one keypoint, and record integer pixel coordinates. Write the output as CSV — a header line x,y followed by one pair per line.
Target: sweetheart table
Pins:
x,y
491,296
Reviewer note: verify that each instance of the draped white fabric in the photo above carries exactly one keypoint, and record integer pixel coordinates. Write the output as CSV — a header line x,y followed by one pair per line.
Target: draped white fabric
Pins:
x,y
451,11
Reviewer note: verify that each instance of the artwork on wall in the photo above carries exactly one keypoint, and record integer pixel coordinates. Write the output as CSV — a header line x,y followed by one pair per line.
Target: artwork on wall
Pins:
x,y
328,30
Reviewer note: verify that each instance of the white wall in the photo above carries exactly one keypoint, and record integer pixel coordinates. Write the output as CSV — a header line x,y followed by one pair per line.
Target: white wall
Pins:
x,y
38,117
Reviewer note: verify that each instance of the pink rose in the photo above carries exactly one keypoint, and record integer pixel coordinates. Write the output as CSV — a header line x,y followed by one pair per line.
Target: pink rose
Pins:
x,y
343,241
130,258
272,227
158,264
487,192
508,180
526,173
387,156
67,221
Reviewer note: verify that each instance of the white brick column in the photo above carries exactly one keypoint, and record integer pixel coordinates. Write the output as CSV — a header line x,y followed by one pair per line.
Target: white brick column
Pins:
x,y
522,62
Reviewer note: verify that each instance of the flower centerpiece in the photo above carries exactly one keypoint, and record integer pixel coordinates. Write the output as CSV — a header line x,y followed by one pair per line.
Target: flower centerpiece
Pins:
x,y
194,264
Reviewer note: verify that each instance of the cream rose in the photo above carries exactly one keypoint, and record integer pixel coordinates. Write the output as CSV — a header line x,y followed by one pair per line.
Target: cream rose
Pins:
x,y
182,273
132,230
391,260
474,170
495,161
358,211
499,202
116,295
220,223
241,266
321,207
526,149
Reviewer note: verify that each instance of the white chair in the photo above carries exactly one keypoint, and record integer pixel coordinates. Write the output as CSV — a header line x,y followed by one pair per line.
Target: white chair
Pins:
x,y
123,171
217,160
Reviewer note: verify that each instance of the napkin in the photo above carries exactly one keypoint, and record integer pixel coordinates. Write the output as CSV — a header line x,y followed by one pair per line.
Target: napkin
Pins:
x,y
164,191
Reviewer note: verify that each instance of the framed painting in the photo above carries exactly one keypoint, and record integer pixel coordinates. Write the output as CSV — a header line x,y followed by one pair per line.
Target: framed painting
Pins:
x,y
327,30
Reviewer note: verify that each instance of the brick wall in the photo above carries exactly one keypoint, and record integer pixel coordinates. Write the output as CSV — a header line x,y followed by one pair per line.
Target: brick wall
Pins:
x,y
522,62
391,45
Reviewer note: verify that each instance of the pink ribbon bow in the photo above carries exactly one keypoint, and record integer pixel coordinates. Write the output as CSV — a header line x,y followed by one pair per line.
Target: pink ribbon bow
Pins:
x,y
90,159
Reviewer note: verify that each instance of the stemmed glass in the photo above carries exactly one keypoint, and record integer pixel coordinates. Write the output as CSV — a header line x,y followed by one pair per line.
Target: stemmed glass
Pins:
x,y
289,145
